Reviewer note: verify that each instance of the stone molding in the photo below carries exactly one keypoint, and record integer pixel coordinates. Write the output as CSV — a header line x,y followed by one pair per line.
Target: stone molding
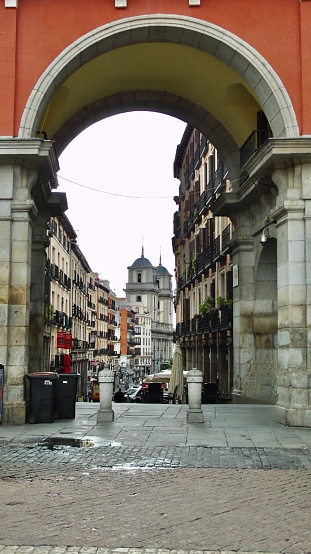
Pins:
x,y
32,153
279,153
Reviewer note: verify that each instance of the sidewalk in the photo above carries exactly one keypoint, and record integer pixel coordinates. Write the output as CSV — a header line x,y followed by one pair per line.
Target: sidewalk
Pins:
x,y
150,483
225,425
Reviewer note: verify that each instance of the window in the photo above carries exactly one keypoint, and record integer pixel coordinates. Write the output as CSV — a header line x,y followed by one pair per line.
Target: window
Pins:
x,y
139,277
138,298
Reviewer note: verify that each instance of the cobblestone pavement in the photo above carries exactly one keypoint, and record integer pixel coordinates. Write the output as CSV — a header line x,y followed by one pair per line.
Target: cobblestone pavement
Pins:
x,y
173,491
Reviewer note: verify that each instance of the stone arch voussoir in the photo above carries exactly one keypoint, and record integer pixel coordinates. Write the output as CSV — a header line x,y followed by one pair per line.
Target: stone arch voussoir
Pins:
x,y
233,51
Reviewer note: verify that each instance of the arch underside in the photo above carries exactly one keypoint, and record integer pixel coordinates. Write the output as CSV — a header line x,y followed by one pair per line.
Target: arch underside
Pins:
x,y
182,67
161,102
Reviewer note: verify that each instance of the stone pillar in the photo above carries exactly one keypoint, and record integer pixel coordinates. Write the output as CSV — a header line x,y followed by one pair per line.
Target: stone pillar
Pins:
x,y
243,298
40,242
293,226
17,212
23,163
194,381
294,265
106,380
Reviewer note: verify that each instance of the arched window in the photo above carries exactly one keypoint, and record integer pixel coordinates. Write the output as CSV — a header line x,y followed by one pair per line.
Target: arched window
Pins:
x,y
138,298
139,277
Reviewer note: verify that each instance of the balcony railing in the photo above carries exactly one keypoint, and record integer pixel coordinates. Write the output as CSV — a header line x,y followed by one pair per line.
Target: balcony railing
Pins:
x,y
226,314
207,254
252,144
226,238
217,248
210,322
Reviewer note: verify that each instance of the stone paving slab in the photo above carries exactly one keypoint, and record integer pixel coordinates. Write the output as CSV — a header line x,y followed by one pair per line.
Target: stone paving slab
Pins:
x,y
224,425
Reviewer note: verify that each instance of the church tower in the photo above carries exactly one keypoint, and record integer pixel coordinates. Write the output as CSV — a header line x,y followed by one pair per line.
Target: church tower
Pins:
x,y
149,292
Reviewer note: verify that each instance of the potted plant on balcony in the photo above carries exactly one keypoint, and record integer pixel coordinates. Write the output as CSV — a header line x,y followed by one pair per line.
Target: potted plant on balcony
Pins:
x,y
206,305
222,301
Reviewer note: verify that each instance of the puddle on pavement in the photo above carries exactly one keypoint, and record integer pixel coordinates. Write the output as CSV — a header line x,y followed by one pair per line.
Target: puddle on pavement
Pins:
x,y
53,442
62,442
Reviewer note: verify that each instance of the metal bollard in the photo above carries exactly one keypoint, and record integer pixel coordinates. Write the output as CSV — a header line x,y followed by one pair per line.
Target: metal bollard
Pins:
x,y
105,412
194,381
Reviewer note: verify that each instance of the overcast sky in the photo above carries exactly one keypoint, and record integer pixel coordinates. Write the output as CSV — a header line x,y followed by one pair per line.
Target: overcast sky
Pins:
x,y
118,176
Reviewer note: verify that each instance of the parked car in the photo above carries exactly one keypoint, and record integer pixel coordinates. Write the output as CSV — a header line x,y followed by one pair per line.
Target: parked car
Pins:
x,y
133,394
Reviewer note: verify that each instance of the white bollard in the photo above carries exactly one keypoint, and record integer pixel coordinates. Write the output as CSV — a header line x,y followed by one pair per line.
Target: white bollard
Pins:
x,y
106,380
194,381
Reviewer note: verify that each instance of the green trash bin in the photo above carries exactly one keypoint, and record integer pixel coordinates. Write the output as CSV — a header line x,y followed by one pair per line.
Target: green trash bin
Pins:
x,y
42,396
66,395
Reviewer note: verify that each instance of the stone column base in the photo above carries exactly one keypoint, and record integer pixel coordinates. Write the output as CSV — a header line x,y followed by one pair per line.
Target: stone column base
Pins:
x,y
195,415
293,417
14,413
105,415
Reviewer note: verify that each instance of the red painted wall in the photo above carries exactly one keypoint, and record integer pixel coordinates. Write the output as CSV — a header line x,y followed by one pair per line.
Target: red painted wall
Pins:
x,y
32,35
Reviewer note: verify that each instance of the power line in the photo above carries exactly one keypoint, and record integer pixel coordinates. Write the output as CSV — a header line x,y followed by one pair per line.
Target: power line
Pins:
x,y
112,193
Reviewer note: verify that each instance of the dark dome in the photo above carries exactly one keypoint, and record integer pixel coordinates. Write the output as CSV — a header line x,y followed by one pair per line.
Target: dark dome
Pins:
x,y
161,270
141,262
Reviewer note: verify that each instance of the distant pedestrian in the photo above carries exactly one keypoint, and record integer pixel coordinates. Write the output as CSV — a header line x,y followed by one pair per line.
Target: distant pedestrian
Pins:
x,y
119,396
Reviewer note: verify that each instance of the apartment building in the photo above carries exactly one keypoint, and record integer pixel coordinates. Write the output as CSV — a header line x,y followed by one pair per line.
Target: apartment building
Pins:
x,y
203,266
127,339
113,328
100,343
81,329
57,293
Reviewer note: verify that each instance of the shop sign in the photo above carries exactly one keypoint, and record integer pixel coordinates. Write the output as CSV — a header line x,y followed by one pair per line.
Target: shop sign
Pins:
x,y
64,340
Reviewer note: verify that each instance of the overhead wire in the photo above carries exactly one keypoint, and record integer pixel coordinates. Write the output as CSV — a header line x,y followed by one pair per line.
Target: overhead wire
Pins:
x,y
112,193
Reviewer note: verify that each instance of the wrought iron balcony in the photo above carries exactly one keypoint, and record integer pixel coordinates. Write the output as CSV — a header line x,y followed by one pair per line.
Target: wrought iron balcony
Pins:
x,y
226,238
217,248
214,320
226,317
200,263
252,144
207,257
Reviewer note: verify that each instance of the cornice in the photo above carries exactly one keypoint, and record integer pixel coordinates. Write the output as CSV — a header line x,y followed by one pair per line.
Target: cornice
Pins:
x,y
33,153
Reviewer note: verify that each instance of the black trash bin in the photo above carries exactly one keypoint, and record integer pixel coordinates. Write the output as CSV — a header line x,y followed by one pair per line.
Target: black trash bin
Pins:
x,y
42,397
66,395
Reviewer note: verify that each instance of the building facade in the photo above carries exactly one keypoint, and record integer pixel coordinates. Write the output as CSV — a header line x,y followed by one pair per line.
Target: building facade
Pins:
x,y
203,265
81,327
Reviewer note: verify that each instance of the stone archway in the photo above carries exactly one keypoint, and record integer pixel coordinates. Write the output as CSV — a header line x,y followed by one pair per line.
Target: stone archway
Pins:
x,y
27,154
200,36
